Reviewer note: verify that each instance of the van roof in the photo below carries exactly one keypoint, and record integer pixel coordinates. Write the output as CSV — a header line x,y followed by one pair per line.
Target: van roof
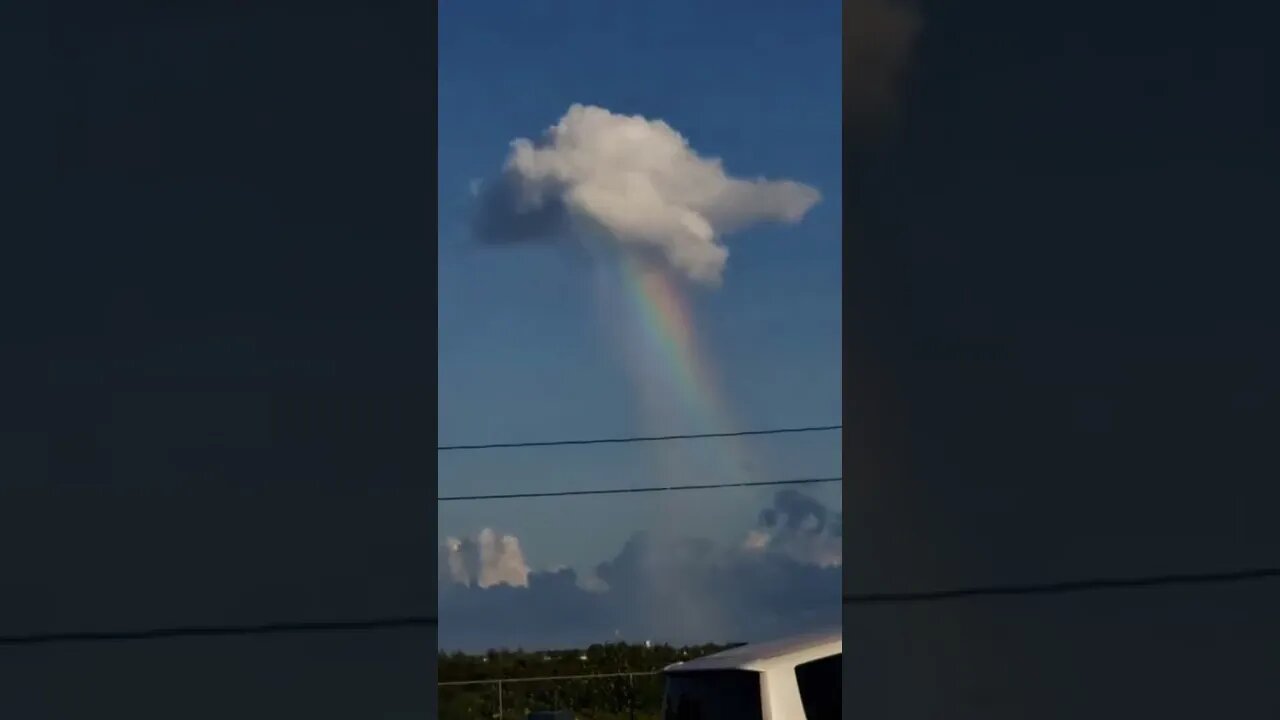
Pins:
x,y
786,652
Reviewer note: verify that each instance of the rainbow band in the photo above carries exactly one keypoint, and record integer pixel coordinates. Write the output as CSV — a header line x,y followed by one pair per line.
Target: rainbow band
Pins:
x,y
677,387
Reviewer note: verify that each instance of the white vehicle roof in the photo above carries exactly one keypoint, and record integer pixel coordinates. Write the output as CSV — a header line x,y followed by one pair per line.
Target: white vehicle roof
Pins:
x,y
771,655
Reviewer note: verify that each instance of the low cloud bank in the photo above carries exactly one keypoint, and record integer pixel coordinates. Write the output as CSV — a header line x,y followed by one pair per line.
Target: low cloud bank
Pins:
x,y
785,577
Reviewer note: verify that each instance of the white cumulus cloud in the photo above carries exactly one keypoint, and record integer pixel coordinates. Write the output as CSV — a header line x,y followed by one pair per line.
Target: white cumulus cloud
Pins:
x,y
485,560
636,183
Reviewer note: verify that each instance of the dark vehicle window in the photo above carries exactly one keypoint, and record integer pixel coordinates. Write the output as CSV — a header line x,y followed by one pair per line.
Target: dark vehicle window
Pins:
x,y
712,695
819,683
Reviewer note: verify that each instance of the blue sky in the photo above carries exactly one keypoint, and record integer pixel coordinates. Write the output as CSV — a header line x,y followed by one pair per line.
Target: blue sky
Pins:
x,y
522,355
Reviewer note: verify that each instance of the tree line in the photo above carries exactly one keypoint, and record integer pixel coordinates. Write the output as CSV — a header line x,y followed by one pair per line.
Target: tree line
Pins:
x,y
603,698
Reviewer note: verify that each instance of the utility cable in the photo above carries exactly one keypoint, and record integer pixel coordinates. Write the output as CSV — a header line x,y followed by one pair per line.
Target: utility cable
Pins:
x,y
639,438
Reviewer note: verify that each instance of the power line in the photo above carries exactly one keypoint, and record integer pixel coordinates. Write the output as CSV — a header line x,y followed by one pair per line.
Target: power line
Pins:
x,y
639,438
416,621
1068,586
354,625
649,489
166,633
548,678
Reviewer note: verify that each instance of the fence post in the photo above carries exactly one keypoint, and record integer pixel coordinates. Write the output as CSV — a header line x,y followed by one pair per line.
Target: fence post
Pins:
x,y
500,714
631,697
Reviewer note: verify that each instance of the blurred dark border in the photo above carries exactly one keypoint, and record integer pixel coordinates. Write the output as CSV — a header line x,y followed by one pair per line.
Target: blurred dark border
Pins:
x,y
1060,357
284,352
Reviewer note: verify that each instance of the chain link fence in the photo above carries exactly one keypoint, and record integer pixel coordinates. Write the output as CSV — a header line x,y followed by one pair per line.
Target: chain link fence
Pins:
x,y
608,696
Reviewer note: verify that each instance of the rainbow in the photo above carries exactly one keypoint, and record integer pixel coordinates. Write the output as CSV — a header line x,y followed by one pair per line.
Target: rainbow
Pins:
x,y
677,388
